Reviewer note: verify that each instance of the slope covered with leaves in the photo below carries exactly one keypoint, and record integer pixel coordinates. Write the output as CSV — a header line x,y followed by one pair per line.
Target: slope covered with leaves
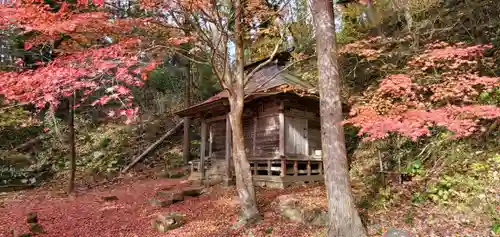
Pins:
x,y
424,101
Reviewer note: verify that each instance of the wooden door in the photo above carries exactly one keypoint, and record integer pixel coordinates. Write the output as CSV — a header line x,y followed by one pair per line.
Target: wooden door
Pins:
x,y
295,136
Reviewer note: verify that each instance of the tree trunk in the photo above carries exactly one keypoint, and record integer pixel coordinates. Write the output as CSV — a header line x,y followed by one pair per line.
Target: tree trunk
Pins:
x,y
187,103
244,183
372,19
72,144
344,219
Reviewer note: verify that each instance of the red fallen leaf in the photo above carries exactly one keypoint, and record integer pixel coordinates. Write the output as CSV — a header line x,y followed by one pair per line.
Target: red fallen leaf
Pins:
x,y
123,90
111,113
27,46
98,2
144,76
19,62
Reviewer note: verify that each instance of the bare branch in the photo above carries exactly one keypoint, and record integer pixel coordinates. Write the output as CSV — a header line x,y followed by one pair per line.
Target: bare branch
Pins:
x,y
275,51
181,52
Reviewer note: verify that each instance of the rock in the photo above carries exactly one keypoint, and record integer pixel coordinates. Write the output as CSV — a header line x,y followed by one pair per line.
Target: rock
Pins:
x,y
213,181
32,217
288,200
316,216
36,228
171,196
166,188
168,221
292,214
193,191
109,198
159,203
393,232
176,175
166,198
290,207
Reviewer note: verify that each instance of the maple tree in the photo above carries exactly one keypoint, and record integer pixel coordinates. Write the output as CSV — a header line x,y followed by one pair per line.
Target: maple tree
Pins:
x,y
402,105
85,70
112,69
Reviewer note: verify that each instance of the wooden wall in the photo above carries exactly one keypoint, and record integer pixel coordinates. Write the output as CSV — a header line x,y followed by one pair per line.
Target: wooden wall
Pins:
x,y
302,126
267,136
217,131
314,135
261,127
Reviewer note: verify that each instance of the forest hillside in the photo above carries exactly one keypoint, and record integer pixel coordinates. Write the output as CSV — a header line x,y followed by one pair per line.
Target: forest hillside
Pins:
x,y
421,91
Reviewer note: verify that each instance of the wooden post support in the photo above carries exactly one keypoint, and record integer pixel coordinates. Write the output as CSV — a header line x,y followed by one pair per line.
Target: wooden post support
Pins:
x,y
254,135
282,130
210,139
308,168
283,167
269,170
186,147
203,148
306,139
229,176
320,168
295,168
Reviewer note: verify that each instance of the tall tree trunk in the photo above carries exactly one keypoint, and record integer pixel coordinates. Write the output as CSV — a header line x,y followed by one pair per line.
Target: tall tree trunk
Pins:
x,y
187,122
372,18
344,219
244,182
72,144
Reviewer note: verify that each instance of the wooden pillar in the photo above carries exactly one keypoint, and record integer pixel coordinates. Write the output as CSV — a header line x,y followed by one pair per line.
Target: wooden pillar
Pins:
x,y
269,170
210,139
203,148
254,135
295,168
306,140
229,176
283,167
320,168
308,168
281,118
186,146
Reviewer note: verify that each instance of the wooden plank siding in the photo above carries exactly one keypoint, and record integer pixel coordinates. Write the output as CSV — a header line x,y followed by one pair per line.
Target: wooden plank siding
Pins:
x,y
218,138
302,127
261,134
272,128
314,135
295,136
267,136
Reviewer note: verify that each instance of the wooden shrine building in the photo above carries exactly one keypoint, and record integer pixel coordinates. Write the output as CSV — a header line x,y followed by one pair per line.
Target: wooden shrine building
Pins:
x,y
281,124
